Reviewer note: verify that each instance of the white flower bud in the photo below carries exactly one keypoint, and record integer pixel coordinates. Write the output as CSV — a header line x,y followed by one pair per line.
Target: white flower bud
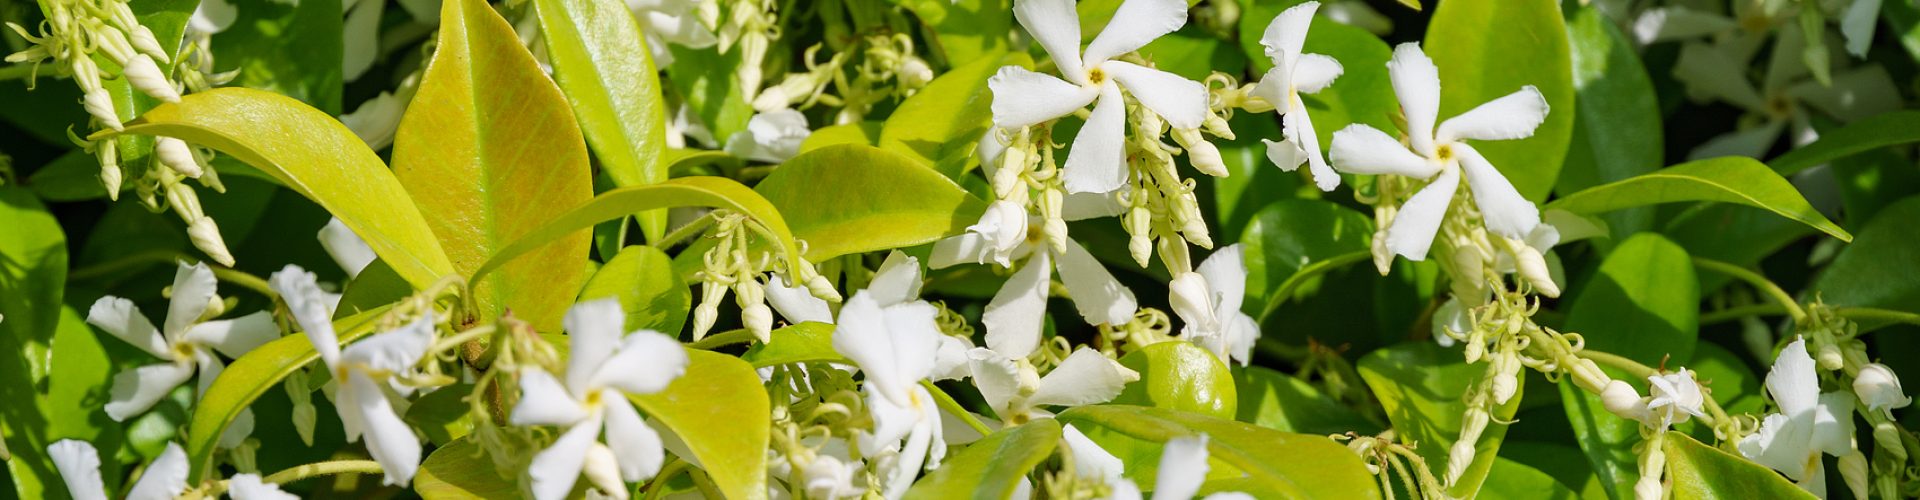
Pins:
x,y
1620,399
1507,381
1473,422
603,471
1879,388
1854,469
1382,257
177,155
99,104
1204,155
822,288
1533,268
759,320
1192,300
206,236
1653,465
1830,358
148,79
827,478
144,42
1887,435
914,73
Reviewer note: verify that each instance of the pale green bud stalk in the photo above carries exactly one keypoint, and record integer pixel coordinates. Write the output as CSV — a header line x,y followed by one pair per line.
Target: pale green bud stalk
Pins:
x,y
1653,465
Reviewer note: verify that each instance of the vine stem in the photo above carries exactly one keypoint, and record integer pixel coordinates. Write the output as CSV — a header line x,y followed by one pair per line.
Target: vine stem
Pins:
x,y
162,257
947,403
324,469
723,339
1758,281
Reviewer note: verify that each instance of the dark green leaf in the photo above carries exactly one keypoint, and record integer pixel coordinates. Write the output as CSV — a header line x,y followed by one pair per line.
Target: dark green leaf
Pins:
x,y
1728,179
1881,268
993,466
1643,303
1290,234
288,48
1274,400
1877,131
1616,131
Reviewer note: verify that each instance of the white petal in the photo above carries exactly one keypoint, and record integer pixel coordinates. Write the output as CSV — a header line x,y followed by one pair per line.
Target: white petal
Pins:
x,y
1226,273
1661,24
897,280
997,377
1855,94
1781,443
861,336
79,467
1083,206
1417,83
1419,218
164,478
1285,154
1085,377
796,303
965,248
1241,332
389,440
1833,423
237,336
1100,298
633,442
593,332
892,420
375,122
346,248
555,469
1362,149
1183,467
1712,73
249,487
1288,33
543,401
915,338
1098,162
647,362
1300,132
1512,116
136,390
1506,212
950,360
397,350
1055,25
120,318
1089,459
1182,102
310,307
1022,97
361,39
1274,87
212,16
1015,315
193,288
1135,24
1857,25
1314,72
1792,382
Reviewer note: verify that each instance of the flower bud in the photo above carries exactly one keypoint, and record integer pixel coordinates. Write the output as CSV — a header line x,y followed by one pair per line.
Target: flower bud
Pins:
x,y
1653,464
177,155
108,152
1382,257
100,105
1204,156
1533,268
1620,399
1473,422
1853,468
1218,127
1830,357
1887,435
1648,488
914,73
827,478
148,79
603,471
1192,300
1507,381
1879,388
759,320
206,236
144,41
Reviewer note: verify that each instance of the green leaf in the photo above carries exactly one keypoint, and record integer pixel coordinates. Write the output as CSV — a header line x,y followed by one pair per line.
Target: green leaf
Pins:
x,y
714,192
802,343
1643,303
849,198
1277,401
250,377
603,64
490,152
1873,132
462,470
1271,464
1881,268
308,151
993,466
1194,53
1616,131
642,279
967,29
1178,375
376,286
1291,234
704,408
940,125
1704,472
1514,480
1728,179
866,133
1254,181
1606,439
1420,385
709,82
293,49
442,415
1362,93
1475,45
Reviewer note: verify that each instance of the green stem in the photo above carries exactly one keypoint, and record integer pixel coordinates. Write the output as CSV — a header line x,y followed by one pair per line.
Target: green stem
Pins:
x,y
1733,313
692,229
1299,278
1860,313
1758,281
141,260
705,484
324,469
17,72
723,339
655,487
947,403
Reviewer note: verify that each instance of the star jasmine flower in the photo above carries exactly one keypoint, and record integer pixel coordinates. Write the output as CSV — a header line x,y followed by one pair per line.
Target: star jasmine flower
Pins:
x,y
1295,73
897,281
365,404
1208,301
1788,90
1017,313
249,487
770,137
1879,388
895,347
603,368
678,22
1018,394
184,342
1440,157
347,249
1183,468
1022,97
1673,398
163,479
1809,423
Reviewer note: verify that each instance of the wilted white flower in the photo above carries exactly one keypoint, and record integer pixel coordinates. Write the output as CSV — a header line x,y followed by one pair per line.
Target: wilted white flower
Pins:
x,y
895,346
1214,321
1016,315
1674,397
602,369
1439,155
1809,423
184,342
1295,73
1022,97
770,137
1879,388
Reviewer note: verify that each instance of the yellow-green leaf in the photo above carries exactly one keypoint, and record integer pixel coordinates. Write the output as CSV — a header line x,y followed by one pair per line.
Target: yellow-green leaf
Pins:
x,y
604,66
1704,472
853,198
462,470
1269,463
705,408
993,466
651,295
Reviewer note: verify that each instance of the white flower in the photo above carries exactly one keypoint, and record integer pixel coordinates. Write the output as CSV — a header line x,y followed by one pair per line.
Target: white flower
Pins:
x,y
1808,424
1022,97
1016,315
1439,155
829,478
1717,70
212,16
183,342
1620,399
1295,73
1016,393
79,467
895,346
249,487
346,248
602,369
672,21
1215,321
771,137
377,120
1879,388
1674,397
1183,468
365,404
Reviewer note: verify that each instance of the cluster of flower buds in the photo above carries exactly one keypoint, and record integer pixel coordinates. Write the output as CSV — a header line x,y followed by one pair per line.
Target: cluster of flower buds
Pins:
x,y
887,67
732,264
749,26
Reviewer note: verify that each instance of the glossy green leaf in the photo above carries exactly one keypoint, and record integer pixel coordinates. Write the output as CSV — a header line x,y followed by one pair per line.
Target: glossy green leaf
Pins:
x,y
967,29
1882,267
1475,45
991,467
1617,127
376,286
940,125
1362,93
1643,303
713,192
1704,472
603,64
709,82
1420,384
1194,53
292,49
704,408
462,470
1729,179
1517,481
311,153
849,199
442,415
250,377
1178,375
1271,464
491,153
1291,234
802,343
1873,132
1277,401
866,133
1605,439
642,279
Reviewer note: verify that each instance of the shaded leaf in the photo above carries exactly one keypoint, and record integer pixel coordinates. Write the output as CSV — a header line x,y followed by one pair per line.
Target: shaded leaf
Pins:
x,y
993,466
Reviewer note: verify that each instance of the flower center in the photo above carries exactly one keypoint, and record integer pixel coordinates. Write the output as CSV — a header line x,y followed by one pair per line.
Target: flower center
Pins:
x,y
1779,106
1095,76
1035,233
593,399
1443,153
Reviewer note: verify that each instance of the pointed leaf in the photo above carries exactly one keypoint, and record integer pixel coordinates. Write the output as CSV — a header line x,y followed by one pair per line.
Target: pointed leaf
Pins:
x,y
993,466
1729,179
852,198
1700,471
1877,131
651,295
604,66
1270,463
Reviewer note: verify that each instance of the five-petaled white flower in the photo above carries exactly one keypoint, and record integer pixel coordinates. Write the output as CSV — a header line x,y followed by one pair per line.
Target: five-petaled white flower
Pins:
x,y
163,479
1022,97
1016,314
183,342
1808,423
1673,398
673,21
1295,73
1440,155
895,346
1017,394
772,137
602,369
365,373
1183,468
897,281
1208,301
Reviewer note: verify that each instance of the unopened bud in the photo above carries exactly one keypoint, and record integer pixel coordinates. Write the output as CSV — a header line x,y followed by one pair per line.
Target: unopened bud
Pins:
x,y
1830,357
144,41
914,73
1476,348
148,79
99,104
1879,388
759,320
1218,127
1620,399
1887,435
1533,268
603,471
1192,300
1653,465
1854,469
1472,424
108,152
206,236
1204,156
1507,381
177,155
1382,257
